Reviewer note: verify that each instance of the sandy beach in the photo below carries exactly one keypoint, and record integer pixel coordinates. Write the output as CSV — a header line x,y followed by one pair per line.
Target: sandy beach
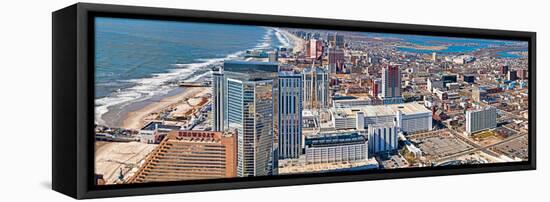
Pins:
x,y
181,103
137,115
298,43
184,103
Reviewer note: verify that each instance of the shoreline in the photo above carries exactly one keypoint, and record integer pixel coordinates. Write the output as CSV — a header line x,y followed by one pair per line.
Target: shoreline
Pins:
x,y
136,115
297,42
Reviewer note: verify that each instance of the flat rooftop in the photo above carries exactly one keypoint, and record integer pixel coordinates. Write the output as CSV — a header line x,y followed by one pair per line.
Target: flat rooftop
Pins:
x,y
250,66
381,110
344,97
301,167
334,139
159,125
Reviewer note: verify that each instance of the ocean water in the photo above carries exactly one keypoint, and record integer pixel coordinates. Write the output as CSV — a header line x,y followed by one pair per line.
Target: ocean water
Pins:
x,y
506,54
454,44
136,60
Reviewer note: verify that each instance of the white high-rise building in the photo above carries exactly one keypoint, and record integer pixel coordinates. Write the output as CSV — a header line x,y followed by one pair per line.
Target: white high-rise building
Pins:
x,y
290,115
481,119
382,138
217,101
359,120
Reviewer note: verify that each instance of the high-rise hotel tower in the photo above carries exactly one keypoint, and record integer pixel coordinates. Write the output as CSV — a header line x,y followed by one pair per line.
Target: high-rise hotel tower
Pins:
x,y
481,119
190,155
391,84
289,115
218,90
248,107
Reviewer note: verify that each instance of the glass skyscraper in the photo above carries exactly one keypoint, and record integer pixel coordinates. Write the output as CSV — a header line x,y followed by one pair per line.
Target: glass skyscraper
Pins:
x,y
248,108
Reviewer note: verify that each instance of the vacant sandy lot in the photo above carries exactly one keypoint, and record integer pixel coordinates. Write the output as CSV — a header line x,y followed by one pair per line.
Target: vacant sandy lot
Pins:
x,y
110,157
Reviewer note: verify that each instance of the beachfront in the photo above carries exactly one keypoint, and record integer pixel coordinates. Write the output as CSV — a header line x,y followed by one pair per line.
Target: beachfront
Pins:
x,y
181,104
138,118
111,157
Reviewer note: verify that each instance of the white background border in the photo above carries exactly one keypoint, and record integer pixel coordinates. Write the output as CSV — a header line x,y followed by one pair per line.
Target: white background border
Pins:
x,y
25,88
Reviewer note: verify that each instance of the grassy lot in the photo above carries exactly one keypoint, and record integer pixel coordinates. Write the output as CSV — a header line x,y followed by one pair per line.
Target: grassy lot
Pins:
x,y
483,134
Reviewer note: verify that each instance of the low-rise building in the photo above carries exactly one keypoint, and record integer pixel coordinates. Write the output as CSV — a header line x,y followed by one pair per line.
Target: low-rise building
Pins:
x,y
154,131
334,147
413,116
350,101
453,86
190,155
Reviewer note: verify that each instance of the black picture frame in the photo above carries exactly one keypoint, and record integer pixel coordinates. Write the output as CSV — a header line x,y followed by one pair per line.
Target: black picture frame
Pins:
x,y
73,99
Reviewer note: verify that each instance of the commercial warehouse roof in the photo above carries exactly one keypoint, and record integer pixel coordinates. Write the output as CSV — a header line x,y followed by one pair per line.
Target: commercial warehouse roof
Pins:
x,y
381,110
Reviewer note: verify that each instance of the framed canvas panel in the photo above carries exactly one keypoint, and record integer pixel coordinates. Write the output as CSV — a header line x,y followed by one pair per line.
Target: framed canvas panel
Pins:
x,y
157,100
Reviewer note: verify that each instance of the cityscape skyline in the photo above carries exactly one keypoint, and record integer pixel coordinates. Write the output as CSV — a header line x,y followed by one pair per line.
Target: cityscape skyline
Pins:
x,y
309,101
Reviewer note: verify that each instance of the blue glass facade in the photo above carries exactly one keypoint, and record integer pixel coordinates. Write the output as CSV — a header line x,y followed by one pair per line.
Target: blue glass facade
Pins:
x,y
249,109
